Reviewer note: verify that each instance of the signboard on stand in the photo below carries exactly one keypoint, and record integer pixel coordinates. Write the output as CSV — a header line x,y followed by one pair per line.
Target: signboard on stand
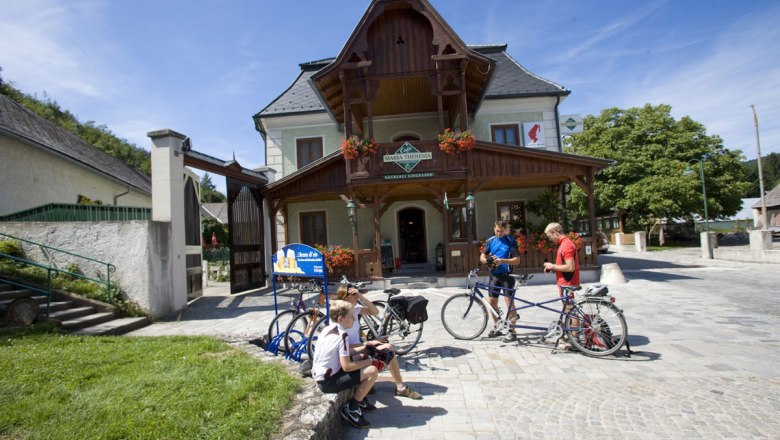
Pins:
x,y
299,260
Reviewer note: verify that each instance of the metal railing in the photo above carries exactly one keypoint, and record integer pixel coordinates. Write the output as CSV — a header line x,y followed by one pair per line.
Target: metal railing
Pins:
x,y
72,212
16,283
109,268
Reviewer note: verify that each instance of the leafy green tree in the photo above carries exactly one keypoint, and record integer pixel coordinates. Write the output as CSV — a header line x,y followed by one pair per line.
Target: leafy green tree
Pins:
x,y
211,226
770,169
208,191
651,151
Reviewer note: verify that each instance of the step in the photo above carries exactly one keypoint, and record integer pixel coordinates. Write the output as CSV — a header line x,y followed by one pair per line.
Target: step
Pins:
x,y
55,306
114,327
72,313
87,321
17,293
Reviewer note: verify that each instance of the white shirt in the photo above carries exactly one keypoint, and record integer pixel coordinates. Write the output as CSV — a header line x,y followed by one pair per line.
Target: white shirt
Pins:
x,y
330,348
354,331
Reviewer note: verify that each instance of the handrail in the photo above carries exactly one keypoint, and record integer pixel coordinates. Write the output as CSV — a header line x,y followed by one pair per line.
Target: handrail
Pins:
x,y
46,292
108,266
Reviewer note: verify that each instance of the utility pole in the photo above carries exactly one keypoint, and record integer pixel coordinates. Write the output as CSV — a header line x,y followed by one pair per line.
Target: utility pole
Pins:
x,y
764,218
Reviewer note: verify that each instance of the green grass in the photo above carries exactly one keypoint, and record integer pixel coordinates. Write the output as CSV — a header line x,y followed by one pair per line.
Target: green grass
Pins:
x,y
673,245
58,386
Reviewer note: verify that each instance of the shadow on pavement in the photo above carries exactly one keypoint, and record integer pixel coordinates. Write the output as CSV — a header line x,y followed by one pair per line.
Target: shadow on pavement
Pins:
x,y
396,413
627,263
222,307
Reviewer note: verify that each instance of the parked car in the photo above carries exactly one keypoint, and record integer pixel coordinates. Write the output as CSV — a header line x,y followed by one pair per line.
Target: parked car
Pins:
x,y
602,244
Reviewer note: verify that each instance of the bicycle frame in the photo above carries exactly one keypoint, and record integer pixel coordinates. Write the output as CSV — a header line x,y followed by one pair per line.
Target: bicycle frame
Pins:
x,y
476,294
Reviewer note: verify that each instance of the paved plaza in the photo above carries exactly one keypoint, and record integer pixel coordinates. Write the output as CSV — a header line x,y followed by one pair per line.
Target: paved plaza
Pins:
x,y
703,364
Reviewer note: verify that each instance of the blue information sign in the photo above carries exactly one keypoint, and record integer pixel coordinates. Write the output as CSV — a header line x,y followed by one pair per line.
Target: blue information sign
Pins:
x,y
299,260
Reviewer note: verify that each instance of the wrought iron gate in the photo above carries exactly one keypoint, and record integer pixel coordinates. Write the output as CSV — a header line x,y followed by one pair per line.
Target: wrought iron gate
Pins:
x,y
247,253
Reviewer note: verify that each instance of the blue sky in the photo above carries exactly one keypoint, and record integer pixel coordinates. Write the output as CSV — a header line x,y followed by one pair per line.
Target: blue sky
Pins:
x,y
203,68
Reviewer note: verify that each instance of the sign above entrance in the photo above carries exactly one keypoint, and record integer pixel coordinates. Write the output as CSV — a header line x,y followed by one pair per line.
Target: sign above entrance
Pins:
x,y
571,124
407,157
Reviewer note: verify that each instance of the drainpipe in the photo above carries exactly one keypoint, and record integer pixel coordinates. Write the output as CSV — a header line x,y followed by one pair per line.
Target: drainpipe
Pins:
x,y
121,194
558,123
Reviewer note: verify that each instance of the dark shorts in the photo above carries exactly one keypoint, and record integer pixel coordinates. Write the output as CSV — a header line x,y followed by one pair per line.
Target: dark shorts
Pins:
x,y
340,381
502,280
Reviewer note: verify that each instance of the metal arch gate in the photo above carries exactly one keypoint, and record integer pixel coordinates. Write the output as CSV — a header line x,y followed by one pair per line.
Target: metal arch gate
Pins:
x,y
247,252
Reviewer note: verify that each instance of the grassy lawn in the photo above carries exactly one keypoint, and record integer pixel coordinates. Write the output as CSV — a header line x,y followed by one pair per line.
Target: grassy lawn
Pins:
x,y
673,245
58,386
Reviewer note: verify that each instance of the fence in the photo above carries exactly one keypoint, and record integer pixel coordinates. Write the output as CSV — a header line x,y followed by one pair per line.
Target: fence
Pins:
x,y
71,212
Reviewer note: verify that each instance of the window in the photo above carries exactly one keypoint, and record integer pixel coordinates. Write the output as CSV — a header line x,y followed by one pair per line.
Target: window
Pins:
x,y
505,134
458,221
309,150
514,213
313,228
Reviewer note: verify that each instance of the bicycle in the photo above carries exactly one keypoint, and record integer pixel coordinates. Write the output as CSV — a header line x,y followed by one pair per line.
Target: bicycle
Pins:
x,y
593,324
279,327
390,324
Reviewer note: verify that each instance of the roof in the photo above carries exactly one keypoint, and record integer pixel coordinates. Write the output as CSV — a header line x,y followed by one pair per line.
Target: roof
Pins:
x,y
772,199
218,211
23,124
510,80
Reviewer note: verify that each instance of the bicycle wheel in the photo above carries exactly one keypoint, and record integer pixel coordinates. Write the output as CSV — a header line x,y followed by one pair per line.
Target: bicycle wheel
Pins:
x,y
314,336
596,327
279,324
401,333
300,327
464,318
370,330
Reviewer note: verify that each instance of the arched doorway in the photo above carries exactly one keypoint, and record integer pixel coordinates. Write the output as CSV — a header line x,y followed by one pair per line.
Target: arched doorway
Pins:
x,y
411,236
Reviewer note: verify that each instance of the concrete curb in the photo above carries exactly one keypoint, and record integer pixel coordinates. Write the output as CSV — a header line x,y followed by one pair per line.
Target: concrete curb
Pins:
x,y
313,415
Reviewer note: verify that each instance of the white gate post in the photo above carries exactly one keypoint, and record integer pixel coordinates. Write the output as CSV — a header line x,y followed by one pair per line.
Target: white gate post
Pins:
x,y
168,265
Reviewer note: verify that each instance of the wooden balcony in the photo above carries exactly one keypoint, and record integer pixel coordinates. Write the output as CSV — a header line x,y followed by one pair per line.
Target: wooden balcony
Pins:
x,y
386,165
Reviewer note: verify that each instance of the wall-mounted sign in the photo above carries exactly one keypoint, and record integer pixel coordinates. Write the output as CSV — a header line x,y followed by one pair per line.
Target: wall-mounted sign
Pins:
x,y
407,157
407,176
533,133
298,259
571,124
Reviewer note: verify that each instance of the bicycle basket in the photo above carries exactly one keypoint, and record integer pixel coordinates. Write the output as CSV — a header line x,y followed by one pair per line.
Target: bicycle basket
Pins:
x,y
416,309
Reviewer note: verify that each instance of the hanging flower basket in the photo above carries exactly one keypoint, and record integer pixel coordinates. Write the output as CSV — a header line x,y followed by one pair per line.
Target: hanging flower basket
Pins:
x,y
336,256
355,147
454,142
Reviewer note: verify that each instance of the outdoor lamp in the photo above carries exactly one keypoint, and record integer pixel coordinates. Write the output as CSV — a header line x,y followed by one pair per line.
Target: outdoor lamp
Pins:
x,y
470,202
352,213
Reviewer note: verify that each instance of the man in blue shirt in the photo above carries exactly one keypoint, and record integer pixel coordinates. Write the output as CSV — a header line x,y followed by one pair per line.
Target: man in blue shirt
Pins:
x,y
499,253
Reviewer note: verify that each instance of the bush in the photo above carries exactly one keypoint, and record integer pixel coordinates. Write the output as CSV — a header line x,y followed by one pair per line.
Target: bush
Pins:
x,y
11,247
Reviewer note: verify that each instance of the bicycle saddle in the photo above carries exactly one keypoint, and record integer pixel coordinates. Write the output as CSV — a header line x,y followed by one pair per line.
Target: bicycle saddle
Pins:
x,y
392,291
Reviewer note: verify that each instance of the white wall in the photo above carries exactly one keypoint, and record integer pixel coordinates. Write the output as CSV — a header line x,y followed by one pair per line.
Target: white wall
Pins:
x,y
33,177
134,247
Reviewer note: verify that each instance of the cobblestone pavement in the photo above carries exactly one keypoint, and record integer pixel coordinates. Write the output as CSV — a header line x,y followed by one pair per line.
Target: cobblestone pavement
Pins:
x,y
703,364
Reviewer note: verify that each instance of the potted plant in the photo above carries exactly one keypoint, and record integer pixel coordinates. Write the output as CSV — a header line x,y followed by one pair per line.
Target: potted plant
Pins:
x,y
354,147
336,256
452,142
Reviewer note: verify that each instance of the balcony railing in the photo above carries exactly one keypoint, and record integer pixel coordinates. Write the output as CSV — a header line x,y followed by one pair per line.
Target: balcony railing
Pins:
x,y
405,160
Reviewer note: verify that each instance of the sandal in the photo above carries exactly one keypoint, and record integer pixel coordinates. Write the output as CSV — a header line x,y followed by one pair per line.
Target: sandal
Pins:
x,y
408,392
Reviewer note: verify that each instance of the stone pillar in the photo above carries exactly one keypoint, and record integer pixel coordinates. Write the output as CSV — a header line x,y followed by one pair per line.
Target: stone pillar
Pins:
x,y
619,239
168,266
760,240
706,245
640,241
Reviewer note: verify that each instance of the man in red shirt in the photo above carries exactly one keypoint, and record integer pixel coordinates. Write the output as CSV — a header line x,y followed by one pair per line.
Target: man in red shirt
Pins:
x,y
566,267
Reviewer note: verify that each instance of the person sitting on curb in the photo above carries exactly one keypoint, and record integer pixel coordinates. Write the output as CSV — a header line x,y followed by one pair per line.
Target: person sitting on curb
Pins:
x,y
362,306
335,371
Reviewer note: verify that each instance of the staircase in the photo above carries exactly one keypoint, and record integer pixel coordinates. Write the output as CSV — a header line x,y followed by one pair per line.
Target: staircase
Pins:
x,y
415,276
77,316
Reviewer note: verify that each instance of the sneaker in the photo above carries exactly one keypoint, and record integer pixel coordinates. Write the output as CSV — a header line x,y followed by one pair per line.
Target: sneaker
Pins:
x,y
354,417
365,405
510,337
408,392
495,333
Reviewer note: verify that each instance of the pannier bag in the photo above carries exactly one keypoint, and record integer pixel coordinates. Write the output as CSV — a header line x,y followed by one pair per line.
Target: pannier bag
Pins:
x,y
416,309
411,308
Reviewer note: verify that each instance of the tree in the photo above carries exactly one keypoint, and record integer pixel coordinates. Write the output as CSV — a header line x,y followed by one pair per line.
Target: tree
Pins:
x,y
651,151
208,191
770,169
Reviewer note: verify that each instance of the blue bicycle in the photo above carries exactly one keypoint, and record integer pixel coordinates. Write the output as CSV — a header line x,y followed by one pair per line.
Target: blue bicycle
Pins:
x,y
591,321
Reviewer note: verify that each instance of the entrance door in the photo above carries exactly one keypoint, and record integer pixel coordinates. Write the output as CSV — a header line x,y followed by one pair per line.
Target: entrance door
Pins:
x,y
411,235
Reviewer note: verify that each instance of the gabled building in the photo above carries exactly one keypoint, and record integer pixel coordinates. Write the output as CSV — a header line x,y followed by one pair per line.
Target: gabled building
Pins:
x,y
42,163
402,79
